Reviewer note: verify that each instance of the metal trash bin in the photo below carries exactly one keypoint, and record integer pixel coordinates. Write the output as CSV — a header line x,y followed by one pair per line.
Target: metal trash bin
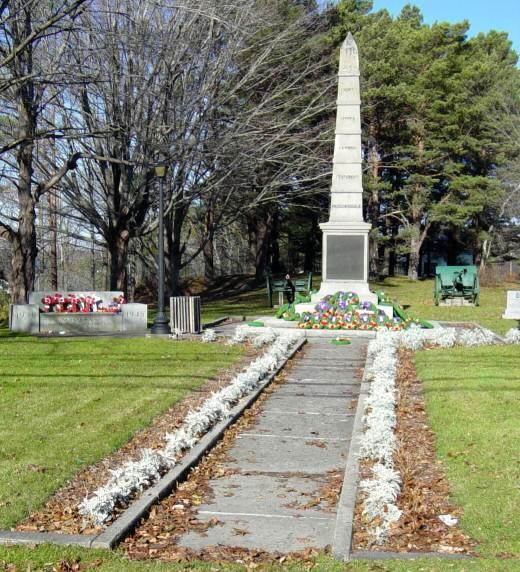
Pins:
x,y
185,314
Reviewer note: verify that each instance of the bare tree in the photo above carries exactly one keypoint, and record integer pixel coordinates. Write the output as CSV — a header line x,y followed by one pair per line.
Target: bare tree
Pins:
x,y
138,51
33,45
264,133
208,89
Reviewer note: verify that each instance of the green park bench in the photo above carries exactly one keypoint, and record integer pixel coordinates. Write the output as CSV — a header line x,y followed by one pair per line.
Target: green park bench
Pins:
x,y
453,282
277,285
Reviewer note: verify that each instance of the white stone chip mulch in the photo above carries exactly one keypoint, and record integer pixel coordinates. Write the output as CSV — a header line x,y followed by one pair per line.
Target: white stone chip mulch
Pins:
x,y
135,476
209,336
379,442
513,336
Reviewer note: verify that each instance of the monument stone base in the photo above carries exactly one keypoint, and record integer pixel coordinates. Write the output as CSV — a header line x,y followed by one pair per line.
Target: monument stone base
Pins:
x,y
27,318
345,262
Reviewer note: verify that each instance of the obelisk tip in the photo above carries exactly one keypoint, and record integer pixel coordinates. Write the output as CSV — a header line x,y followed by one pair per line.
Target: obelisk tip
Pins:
x,y
349,41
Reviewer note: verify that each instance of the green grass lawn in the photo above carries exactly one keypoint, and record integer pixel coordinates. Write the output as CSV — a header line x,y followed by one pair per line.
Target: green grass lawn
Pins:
x,y
48,558
418,295
248,304
473,404
66,403
243,304
472,401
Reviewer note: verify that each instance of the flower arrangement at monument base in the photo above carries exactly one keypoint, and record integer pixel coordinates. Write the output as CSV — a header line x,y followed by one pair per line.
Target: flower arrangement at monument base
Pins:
x,y
345,311
72,304
288,312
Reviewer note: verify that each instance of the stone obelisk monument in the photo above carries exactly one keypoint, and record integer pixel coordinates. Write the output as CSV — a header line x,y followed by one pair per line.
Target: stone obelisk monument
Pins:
x,y
345,235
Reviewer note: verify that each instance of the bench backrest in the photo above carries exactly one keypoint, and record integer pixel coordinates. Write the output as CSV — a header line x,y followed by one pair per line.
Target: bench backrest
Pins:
x,y
300,284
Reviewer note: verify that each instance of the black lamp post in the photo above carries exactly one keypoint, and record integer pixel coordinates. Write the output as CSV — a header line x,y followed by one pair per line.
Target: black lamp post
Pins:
x,y
160,324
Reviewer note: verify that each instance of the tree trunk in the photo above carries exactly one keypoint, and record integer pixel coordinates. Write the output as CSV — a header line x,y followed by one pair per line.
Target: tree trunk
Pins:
x,y
118,249
53,224
451,252
251,240
23,241
258,239
23,244
173,227
484,252
262,247
414,259
132,271
385,270
22,264
208,249
274,248
106,264
388,249
311,245
416,242
93,262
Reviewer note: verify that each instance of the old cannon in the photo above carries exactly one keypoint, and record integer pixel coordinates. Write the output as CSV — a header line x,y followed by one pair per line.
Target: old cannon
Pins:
x,y
456,282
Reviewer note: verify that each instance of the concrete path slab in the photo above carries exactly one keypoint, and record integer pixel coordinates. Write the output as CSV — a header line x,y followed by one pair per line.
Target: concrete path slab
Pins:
x,y
336,405
301,425
282,461
297,412
328,350
281,454
318,382
276,495
262,532
326,363
321,374
323,390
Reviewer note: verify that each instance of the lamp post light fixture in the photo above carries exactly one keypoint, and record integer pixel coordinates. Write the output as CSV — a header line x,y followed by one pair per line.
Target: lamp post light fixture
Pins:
x,y
160,324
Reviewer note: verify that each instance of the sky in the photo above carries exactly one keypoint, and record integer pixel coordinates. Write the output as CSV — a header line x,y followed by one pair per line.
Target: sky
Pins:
x,y
483,15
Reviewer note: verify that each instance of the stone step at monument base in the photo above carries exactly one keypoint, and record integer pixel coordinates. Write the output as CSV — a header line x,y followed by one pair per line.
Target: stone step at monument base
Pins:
x,y
310,307
305,307
270,322
329,287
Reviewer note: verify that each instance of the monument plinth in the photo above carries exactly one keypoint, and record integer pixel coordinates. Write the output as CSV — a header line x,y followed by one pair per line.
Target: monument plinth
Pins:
x,y
345,235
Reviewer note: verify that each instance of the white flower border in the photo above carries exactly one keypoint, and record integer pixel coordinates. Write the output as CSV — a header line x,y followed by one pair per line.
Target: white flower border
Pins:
x,y
135,476
379,442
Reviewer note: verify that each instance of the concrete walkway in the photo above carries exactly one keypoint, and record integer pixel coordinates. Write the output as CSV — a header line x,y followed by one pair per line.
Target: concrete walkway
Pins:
x,y
281,462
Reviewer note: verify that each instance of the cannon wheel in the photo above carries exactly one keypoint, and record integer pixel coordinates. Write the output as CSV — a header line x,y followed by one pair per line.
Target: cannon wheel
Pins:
x,y
477,300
